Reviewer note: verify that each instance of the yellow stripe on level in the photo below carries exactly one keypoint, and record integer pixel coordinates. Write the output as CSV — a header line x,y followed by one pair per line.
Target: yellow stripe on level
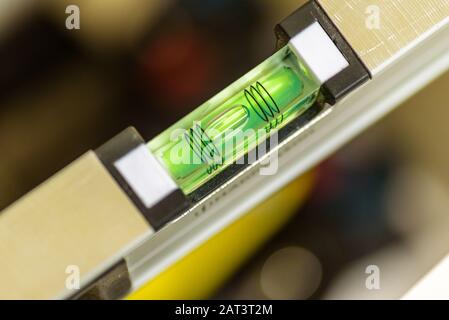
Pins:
x,y
203,271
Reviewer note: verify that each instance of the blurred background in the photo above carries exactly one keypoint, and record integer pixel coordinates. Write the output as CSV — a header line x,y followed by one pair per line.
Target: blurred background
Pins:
x,y
381,200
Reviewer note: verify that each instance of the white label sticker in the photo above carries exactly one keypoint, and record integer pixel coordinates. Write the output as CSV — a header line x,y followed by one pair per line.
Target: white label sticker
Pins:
x,y
148,179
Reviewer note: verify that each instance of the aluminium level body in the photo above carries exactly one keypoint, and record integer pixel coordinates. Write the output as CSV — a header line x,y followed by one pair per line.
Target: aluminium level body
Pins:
x,y
121,237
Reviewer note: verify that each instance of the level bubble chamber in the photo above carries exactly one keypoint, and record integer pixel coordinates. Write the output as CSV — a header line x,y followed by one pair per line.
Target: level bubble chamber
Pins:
x,y
233,122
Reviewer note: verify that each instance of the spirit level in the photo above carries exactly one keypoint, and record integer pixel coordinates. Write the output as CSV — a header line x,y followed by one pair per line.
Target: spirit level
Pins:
x,y
127,211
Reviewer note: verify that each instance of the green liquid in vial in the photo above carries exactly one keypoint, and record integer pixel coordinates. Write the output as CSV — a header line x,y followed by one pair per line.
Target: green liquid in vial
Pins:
x,y
227,126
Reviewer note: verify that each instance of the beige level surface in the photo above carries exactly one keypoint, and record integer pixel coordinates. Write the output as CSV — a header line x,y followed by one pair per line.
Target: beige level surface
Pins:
x,y
400,23
79,217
